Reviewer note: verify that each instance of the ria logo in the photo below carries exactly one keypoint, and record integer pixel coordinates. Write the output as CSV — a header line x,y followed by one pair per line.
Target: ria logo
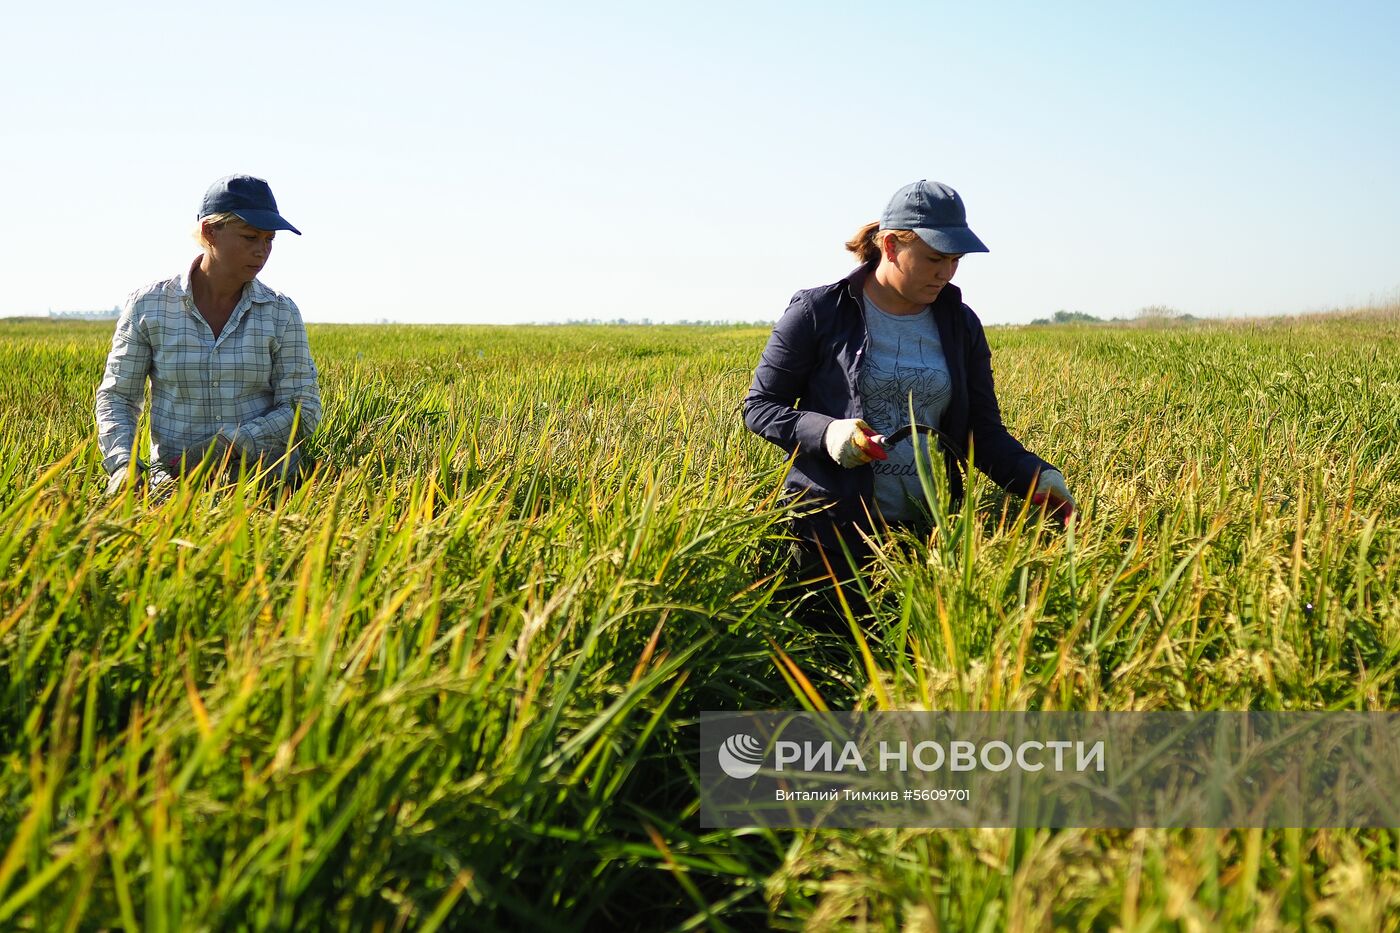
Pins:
x,y
741,756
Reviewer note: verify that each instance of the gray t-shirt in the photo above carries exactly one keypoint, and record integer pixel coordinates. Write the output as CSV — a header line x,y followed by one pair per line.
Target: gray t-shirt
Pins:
x,y
903,357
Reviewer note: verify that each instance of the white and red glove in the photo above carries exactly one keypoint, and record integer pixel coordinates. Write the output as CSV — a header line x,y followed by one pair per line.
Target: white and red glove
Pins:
x,y
129,474
1052,493
852,443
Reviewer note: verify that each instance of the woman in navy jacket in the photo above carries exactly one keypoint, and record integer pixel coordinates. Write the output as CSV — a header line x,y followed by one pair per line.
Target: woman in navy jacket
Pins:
x,y
845,361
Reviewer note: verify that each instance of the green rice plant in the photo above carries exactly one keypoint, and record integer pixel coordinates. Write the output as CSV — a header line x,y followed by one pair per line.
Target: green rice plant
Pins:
x,y
453,679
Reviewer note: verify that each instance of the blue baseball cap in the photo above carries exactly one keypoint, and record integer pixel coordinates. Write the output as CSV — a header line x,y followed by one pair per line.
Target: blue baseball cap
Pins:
x,y
936,213
248,197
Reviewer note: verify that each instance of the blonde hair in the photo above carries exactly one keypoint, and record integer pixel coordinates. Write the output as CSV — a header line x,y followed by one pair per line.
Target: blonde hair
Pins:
x,y
215,221
869,240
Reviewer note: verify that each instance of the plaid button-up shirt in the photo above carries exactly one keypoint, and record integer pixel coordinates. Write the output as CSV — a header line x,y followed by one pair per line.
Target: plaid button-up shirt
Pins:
x,y
253,383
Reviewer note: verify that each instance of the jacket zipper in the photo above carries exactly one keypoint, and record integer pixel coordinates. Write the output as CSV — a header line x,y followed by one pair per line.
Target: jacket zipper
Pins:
x,y
860,357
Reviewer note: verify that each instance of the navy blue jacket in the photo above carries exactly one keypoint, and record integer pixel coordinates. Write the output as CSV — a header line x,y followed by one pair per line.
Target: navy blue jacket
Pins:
x,y
808,377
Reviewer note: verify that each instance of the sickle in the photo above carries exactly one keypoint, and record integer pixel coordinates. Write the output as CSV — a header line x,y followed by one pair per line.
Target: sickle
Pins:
x,y
944,441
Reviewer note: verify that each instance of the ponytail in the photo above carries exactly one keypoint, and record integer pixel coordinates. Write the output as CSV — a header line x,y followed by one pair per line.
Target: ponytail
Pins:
x,y
866,244
863,243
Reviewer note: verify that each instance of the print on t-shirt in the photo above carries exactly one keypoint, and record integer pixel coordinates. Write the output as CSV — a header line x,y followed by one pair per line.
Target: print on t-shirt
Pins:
x,y
903,360
885,390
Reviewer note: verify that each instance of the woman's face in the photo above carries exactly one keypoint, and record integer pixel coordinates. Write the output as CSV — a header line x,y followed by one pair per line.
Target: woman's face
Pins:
x,y
917,271
238,250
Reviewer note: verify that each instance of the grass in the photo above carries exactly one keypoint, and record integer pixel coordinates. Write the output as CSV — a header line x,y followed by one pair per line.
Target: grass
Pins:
x,y
453,680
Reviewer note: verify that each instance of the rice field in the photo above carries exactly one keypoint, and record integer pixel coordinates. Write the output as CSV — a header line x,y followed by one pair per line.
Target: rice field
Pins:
x,y
453,680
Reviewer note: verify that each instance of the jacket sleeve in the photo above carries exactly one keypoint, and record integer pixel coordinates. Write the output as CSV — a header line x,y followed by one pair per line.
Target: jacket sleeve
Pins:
x,y
782,378
995,452
122,389
296,394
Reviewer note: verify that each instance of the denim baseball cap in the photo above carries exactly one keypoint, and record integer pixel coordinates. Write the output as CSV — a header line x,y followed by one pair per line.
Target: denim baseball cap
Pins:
x,y
936,213
248,197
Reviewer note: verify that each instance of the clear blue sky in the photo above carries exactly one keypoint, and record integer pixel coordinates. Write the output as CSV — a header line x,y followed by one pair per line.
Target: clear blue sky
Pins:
x,y
544,161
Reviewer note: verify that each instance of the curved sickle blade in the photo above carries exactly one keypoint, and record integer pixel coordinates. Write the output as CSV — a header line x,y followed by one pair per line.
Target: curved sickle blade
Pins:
x,y
944,441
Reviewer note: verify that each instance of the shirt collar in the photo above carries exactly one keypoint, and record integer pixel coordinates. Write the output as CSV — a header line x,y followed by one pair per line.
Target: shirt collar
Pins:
x,y
187,277
254,291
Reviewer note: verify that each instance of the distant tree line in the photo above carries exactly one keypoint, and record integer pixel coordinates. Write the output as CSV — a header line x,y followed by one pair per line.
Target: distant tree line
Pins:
x,y
1151,313
113,312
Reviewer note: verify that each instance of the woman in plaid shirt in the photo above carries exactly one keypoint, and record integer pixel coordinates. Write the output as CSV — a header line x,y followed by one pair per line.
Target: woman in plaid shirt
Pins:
x,y
230,369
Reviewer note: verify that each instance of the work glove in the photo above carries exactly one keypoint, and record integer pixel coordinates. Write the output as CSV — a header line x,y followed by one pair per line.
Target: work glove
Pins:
x,y
851,442
219,448
215,449
1052,493
128,473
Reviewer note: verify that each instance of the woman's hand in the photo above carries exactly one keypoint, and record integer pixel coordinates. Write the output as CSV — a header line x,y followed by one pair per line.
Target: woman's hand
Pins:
x,y
1052,492
130,474
852,443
